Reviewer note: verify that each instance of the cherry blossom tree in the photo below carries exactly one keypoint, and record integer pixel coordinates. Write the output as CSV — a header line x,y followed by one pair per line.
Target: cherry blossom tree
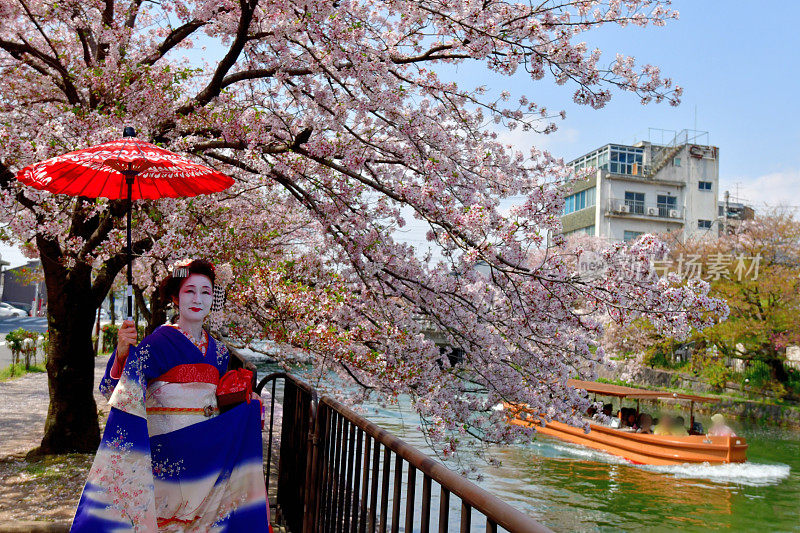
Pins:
x,y
339,117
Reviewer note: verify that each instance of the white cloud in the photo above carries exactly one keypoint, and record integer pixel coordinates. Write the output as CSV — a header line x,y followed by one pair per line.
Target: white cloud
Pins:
x,y
775,189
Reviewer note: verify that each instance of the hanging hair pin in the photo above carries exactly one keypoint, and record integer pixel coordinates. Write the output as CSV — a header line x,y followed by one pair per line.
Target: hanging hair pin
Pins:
x,y
219,298
180,272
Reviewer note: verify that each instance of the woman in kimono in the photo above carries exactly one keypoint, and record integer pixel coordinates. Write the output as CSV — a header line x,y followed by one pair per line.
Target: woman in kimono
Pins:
x,y
169,461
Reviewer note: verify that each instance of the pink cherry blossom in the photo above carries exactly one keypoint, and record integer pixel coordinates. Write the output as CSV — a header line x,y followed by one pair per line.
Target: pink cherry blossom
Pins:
x,y
337,120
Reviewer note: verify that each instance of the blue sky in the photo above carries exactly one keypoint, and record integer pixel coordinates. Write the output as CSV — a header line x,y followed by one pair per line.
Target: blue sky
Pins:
x,y
738,63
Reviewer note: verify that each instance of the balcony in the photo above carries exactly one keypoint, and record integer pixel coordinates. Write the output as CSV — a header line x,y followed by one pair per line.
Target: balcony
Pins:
x,y
635,209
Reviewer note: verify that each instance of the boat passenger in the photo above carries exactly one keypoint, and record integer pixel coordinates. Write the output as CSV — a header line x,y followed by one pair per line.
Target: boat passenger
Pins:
x,y
719,428
664,426
630,419
607,408
679,428
619,421
645,423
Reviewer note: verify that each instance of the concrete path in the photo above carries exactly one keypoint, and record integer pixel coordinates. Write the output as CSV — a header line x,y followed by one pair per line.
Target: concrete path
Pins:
x,y
24,409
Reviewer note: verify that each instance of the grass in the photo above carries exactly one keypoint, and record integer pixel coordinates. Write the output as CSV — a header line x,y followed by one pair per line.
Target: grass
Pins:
x,y
18,370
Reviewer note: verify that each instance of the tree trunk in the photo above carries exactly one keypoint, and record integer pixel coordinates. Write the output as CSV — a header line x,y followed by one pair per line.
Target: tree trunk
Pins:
x,y
158,312
112,302
71,424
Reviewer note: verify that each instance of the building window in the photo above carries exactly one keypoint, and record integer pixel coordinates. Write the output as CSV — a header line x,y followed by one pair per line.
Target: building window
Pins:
x,y
635,202
616,159
666,204
579,200
704,185
704,224
630,235
676,162
626,160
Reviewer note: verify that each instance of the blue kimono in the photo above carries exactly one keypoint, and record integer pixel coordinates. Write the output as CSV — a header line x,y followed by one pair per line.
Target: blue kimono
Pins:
x,y
168,460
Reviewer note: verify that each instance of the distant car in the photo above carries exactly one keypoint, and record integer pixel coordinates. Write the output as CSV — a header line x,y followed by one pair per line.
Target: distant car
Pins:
x,y
8,310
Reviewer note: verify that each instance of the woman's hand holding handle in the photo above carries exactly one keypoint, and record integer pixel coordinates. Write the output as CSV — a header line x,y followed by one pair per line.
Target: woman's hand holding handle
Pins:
x,y
127,336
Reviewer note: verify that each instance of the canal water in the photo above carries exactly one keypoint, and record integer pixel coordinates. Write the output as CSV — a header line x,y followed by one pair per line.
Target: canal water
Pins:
x,y
570,488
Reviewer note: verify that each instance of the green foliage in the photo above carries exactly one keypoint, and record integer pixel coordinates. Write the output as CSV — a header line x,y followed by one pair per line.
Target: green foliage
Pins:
x,y
45,344
16,338
19,370
757,373
793,383
656,359
711,367
22,343
758,376
109,337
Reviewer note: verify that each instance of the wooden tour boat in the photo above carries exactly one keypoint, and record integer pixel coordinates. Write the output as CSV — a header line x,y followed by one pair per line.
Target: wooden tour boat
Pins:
x,y
640,448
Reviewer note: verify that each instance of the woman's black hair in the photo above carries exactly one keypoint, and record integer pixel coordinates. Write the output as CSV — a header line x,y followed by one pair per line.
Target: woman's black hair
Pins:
x,y
171,285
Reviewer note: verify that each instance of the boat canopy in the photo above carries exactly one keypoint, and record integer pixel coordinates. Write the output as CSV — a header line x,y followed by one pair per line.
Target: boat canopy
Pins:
x,y
607,389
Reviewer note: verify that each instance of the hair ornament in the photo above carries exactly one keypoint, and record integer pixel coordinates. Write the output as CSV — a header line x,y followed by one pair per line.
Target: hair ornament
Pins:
x,y
180,269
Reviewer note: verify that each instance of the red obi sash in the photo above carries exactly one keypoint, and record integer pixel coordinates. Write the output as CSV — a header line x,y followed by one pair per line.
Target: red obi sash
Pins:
x,y
191,373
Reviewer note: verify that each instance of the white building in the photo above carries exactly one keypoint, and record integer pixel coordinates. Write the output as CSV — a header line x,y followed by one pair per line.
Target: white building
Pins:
x,y
646,188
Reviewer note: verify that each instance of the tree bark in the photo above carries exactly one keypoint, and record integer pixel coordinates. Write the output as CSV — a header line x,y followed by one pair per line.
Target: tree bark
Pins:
x,y
773,359
158,312
72,424
112,307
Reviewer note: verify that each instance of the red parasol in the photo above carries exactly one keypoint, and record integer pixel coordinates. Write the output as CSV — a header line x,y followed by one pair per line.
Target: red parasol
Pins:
x,y
124,169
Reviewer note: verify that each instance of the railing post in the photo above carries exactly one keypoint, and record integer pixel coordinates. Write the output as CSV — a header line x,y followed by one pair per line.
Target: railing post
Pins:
x,y
312,470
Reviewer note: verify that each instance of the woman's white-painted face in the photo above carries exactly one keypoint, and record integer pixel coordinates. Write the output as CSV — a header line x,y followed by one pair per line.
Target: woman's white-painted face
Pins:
x,y
195,297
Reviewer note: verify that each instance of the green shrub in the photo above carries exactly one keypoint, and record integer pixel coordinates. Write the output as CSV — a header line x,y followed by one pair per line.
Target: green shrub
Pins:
x,y
793,383
654,358
109,337
711,367
16,341
757,373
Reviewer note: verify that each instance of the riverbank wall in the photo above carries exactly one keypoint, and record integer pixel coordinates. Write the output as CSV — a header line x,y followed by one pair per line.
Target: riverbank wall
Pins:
x,y
766,409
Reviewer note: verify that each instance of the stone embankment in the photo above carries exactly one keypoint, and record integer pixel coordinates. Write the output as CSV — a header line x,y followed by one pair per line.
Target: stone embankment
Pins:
x,y
766,410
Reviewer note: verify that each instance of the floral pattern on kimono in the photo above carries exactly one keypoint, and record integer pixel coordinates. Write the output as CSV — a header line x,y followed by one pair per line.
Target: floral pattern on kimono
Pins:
x,y
186,470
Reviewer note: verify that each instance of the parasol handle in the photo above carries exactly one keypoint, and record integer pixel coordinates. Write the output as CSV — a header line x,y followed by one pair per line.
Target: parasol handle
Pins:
x,y
129,290
129,177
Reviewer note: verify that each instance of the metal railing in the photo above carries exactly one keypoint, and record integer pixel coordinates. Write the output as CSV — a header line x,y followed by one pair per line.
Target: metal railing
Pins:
x,y
339,472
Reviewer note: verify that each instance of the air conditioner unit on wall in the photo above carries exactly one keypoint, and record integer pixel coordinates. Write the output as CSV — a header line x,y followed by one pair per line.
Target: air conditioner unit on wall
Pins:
x,y
673,213
624,208
652,211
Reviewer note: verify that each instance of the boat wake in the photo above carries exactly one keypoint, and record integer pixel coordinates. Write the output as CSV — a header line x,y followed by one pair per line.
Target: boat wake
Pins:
x,y
552,448
750,474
